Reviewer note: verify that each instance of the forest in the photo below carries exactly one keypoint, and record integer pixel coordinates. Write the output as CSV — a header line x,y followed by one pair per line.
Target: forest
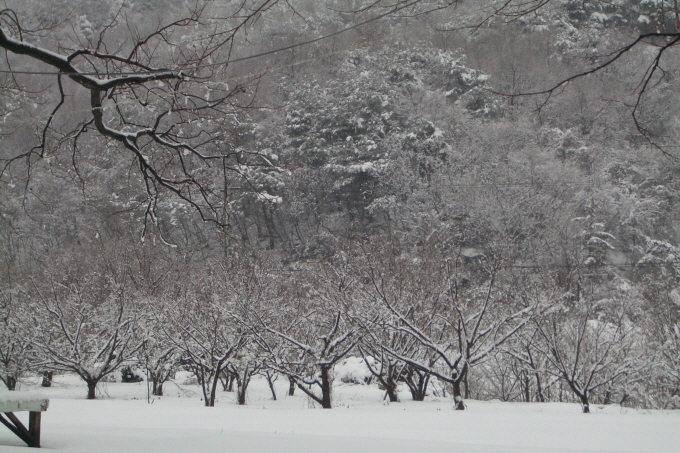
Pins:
x,y
477,198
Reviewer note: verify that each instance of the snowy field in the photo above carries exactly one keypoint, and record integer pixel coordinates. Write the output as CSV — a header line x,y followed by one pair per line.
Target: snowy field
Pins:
x,y
122,421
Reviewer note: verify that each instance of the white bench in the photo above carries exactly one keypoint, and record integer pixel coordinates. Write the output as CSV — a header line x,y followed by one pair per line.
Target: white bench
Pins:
x,y
34,403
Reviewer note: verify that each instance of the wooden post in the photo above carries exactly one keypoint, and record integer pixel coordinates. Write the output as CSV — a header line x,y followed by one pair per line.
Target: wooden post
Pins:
x,y
34,428
34,404
31,435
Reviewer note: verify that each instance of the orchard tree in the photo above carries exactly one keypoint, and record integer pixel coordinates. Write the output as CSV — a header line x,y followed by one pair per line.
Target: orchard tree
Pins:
x,y
593,346
158,356
207,337
85,326
459,322
16,353
309,331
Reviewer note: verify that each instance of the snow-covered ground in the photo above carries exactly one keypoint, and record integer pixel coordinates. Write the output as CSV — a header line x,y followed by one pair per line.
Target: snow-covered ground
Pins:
x,y
123,421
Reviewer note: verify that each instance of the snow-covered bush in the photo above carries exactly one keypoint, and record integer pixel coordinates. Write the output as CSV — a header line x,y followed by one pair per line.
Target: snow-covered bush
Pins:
x,y
353,370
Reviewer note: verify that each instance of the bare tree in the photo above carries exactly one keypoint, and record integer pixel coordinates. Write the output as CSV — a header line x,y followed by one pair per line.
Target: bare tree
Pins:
x,y
248,362
158,89
83,327
207,337
458,323
310,331
16,353
591,345
385,367
157,355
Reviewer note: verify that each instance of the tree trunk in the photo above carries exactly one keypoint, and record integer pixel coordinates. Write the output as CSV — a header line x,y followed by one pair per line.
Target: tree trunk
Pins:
x,y
417,393
467,387
227,381
291,386
460,405
210,401
417,382
325,388
390,382
91,388
47,378
241,394
157,389
270,381
391,389
242,389
585,404
539,389
527,389
10,382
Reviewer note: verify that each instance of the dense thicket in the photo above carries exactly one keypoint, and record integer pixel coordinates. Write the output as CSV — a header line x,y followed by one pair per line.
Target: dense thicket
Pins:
x,y
385,192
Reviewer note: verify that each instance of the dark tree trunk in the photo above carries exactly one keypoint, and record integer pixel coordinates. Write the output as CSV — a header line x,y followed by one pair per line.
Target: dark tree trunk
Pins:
x,y
391,390
91,388
242,389
10,382
325,388
270,381
47,378
467,387
460,405
157,389
417,393
527,389
241,394
390,381
539,389
291,386
417,382
581,394
224,381
210,401
227,381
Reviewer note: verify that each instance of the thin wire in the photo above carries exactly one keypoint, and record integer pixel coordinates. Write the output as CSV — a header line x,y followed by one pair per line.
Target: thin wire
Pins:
x,y
548,266
224,63
587,266
217,82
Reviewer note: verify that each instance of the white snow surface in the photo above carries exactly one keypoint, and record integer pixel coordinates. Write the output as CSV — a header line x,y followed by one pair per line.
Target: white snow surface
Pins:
x,y
361,421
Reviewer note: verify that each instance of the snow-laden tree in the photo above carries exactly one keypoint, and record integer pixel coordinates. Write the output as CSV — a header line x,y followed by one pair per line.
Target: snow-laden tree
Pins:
x,y
458,319
591,343
248,362
158,356
86,326
309,329
658,271
154,83
208,338
387,369
16,353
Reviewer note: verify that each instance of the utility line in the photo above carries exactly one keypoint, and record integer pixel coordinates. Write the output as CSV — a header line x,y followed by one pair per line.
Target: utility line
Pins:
x,y
588,266
227,62
553,266
207,84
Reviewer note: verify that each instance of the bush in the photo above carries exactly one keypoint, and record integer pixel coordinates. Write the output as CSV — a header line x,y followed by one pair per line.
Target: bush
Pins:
x,y
127,374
